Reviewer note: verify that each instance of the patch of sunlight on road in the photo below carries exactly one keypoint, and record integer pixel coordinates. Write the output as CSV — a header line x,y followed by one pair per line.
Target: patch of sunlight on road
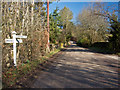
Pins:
x,y
114,57
82,64
89,53
102,80
111,71
77,58
102,67
105,68
61,60
59,65
90,66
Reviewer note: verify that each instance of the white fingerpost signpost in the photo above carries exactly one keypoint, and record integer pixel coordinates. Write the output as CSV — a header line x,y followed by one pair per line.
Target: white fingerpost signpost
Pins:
x,y
14,41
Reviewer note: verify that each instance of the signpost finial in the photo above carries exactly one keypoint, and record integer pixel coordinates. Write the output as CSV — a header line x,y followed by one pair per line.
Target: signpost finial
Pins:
x,y
13,32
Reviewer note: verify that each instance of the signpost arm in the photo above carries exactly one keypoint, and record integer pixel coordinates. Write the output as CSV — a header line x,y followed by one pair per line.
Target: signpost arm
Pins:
x,y
14,44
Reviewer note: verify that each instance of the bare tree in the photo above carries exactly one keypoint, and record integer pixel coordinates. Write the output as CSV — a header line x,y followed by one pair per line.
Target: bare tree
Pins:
x,y
92,26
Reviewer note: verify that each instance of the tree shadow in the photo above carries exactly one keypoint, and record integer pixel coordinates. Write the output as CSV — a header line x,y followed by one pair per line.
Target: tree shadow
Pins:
x,y
72,76
101,74
72,49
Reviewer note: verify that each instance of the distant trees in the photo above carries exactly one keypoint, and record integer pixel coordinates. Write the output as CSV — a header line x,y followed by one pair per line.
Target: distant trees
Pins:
x,y
91,28
55,26
66,16
60,25
114,26
98,23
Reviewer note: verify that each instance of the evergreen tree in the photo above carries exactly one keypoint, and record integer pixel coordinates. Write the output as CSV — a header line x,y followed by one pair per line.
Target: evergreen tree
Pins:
x,y
55,26
115,32
66,16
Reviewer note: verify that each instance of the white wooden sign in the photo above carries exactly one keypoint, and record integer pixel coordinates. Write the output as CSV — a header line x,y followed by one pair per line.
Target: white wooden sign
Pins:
x,y
11,41
14,41
19,36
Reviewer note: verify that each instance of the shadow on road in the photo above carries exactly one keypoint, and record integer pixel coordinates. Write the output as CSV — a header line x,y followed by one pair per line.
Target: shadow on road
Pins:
x,y
76,70
75,50
70,76
84,50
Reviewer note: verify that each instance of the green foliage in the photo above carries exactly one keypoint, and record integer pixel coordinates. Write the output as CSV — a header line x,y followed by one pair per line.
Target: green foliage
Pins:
x,y
54,26
115,38
102,47
66,16
15,74
102,50
84,42
27,20
28,61
118,54
60,26
91,27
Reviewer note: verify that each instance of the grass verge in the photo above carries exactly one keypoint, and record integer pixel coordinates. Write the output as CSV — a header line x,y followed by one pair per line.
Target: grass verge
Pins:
x,y
13,75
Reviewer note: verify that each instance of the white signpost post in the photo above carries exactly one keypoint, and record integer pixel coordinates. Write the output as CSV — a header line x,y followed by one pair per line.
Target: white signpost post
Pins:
x,y
14,41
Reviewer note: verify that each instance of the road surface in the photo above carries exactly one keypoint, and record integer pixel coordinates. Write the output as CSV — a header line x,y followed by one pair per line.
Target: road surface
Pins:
x,y
77,67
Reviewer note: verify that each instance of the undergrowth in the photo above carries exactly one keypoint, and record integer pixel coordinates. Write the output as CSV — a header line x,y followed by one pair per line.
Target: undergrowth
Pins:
x,y
14,74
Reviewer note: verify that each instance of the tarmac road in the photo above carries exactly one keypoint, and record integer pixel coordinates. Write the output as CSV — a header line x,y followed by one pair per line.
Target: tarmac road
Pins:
x,y
77,67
